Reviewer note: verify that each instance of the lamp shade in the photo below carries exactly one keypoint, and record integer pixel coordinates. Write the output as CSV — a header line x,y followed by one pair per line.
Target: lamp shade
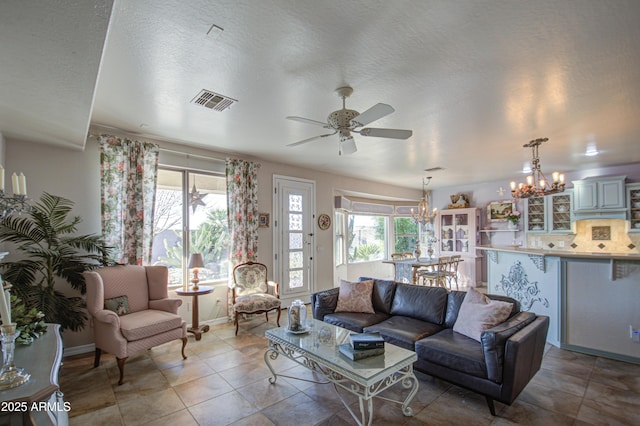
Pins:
x,y
195,261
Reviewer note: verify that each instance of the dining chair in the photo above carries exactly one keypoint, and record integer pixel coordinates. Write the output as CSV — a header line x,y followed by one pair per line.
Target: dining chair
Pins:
x,y
252,293
452,271
438,275
397,256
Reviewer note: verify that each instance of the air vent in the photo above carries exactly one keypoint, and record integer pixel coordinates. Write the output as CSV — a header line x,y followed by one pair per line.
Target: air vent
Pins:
x,y
212,100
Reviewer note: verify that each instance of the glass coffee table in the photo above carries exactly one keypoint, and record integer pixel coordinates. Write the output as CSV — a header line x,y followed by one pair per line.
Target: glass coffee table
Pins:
x,y
317,350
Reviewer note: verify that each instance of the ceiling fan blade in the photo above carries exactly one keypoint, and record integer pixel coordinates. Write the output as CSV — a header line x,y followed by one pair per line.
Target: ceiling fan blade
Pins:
x,y
387,133
374,113
309,121
311,139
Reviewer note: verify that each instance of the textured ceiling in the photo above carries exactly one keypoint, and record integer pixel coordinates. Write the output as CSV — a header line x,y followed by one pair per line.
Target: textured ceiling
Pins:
x,y
474,80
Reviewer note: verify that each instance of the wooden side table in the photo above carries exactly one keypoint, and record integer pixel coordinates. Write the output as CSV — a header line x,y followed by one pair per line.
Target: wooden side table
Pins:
x,y
196,328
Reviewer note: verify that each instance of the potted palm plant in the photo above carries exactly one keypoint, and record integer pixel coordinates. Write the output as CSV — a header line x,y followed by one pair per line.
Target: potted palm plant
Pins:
x,y
51,252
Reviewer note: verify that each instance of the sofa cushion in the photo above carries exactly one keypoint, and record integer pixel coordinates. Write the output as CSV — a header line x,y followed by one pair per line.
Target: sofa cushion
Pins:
x,y
383,292
453,350
404,331
455,299
494,340
354,321
479,313
420,302
142,324
324,302
355,297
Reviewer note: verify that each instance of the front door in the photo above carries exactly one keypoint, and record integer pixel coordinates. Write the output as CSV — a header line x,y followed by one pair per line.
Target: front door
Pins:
x,y
294,208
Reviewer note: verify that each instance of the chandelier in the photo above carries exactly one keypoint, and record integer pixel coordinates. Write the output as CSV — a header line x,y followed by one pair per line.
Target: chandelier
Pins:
x,y
422,216
537,184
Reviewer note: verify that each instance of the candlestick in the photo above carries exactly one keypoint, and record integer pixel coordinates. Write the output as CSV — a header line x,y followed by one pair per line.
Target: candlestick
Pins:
x,y
22,181
15,186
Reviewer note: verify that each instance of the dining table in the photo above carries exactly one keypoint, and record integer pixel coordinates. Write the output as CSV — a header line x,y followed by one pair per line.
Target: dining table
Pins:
x,y
406,270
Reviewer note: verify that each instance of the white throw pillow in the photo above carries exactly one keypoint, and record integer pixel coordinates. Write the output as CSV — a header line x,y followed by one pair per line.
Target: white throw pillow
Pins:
x,y
479,313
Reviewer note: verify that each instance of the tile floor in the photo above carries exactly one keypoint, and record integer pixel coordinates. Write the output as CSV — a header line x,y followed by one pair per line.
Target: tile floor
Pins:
x,y
225,381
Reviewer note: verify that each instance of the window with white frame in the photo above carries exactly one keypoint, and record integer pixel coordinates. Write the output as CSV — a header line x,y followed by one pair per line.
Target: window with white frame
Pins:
x,y
338,226
191,217
367,237
405,234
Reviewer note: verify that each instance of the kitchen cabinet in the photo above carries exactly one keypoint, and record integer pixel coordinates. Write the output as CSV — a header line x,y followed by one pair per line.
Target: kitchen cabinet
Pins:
x,y
549,214
534,220
603,193
458,232
633,196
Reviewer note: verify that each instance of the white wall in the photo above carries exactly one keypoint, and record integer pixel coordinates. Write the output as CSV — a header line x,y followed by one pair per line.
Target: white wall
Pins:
x,y
76,175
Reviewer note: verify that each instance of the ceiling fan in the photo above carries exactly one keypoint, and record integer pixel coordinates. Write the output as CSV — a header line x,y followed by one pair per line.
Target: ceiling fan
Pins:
x,y
346,121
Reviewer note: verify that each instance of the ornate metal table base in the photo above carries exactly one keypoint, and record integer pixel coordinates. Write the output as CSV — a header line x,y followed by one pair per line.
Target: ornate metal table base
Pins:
x,y
340,379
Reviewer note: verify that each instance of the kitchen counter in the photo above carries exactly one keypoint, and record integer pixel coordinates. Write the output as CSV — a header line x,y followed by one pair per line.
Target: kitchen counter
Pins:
x,y
562,253
590,298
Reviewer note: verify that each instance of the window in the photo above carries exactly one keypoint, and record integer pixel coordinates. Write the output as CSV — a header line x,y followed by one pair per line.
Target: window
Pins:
x,y
367,238
338,226
405,232
191,217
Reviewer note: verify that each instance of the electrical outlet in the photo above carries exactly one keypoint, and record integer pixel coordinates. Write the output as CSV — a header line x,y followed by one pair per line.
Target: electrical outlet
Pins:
x,y
634,334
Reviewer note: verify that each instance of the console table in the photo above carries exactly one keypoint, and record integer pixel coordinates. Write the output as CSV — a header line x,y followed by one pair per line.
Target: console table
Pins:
x,y
39,401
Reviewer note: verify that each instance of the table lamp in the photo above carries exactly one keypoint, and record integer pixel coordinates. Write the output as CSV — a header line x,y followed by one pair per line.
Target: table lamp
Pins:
x,y
195,262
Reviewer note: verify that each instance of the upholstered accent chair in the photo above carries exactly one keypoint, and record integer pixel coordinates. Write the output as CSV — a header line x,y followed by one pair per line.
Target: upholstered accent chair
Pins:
x,y
131,311
252,293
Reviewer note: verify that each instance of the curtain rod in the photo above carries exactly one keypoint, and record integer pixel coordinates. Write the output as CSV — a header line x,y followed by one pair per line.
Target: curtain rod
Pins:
x,y
172,151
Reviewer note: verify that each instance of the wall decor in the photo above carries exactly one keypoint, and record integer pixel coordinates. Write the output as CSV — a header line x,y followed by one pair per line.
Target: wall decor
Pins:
x,y
324,221
497,211
602,233
459,201
518,286
263,220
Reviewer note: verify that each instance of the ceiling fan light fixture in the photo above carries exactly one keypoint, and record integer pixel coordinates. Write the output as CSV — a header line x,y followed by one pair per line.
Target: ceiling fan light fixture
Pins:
x,y
348,146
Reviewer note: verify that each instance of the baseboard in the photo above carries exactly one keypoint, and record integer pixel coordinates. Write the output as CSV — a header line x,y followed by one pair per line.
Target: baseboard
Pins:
x,y
77,350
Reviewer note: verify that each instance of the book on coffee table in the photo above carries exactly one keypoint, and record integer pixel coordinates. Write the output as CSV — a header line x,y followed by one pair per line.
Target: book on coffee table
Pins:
x,y
366,341
356,354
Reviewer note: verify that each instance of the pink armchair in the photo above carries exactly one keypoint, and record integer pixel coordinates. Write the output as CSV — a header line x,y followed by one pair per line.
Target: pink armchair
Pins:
x,y
131,311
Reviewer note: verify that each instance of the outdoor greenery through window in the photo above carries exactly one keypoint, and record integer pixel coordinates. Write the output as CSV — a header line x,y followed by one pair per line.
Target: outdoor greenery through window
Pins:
x,y
405,234
191,217
366,238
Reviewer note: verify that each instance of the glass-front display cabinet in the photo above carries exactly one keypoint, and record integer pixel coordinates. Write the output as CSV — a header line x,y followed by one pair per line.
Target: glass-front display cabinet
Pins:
x,y
633,197
458,232
552,214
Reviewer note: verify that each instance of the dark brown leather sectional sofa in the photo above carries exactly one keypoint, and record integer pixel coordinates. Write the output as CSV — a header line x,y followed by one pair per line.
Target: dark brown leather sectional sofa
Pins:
x,y
421,319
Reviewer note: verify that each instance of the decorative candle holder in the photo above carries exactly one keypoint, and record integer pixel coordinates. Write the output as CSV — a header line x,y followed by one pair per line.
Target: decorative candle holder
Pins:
x,y
297,316
10,375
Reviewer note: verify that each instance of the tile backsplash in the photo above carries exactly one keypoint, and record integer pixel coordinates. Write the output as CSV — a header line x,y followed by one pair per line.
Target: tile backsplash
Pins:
x,y
621,240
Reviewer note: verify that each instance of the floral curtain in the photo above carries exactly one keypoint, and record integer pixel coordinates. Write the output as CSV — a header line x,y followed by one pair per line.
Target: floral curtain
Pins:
x,y
129,171
242,204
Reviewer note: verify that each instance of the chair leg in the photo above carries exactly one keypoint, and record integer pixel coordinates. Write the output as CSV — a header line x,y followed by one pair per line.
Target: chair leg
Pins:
x,y
492,407
184,344
121,362
278,319
96,360
236,321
